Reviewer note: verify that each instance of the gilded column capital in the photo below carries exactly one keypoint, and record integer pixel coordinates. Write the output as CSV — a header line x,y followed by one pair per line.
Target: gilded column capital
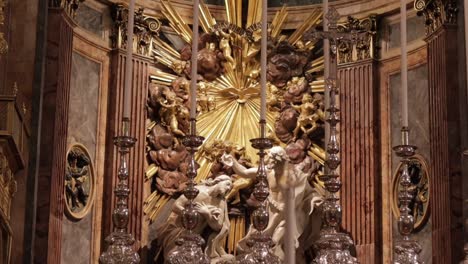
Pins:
x,y
365,47
437,13
146,30
70,6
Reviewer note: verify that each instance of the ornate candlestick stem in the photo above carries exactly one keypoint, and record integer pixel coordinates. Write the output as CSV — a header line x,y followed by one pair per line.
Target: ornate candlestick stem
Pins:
x,y
260,244
190,244
333,245
120,249
406,250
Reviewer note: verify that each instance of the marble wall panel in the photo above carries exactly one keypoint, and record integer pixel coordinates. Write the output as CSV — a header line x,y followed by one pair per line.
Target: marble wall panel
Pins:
x,y
84,93
90,19
82,128
418,105
415,27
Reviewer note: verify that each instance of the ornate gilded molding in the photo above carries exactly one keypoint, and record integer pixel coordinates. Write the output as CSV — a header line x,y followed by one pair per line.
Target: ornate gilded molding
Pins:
x,y
3,42
437,13
70,6
146,30
7,184
363,48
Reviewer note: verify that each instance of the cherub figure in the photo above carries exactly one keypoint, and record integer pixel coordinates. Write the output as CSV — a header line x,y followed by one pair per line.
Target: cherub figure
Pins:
x,y
240,182
310,113
275,98
206,102
76,176
215,153
226,47
170,107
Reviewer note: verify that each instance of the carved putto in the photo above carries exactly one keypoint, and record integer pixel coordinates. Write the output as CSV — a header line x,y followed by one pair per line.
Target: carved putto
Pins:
x,y
419,190
79,182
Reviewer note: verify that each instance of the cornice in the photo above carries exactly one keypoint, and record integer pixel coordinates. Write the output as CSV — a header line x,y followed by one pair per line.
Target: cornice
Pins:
x,y
297,14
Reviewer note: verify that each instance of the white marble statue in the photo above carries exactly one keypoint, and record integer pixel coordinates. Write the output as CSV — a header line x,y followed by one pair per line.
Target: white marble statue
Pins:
x,y
212,207
281,176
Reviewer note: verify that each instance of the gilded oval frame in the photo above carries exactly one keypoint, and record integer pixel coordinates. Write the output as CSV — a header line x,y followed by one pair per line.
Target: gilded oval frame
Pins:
x,y
92,185
422,220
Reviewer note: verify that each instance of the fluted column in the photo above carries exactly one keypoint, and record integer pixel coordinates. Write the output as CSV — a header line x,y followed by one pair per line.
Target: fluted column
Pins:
x,y
50,200
360,165
444,127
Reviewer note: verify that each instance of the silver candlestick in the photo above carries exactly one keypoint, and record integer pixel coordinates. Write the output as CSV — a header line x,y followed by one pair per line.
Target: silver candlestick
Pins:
x,y
120,249
406,250
260,244
333,245
189,245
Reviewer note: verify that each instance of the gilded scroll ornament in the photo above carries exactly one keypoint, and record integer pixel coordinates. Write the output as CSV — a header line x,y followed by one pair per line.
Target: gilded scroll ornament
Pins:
x,y
79,182
437,13
146,29
419,189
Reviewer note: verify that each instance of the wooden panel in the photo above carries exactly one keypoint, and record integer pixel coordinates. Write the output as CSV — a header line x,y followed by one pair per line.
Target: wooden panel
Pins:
x,y
138,130
360,162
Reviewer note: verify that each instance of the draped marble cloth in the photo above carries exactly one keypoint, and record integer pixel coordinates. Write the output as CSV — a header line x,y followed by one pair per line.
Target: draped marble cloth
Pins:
x,y
307,225
281,176
215,221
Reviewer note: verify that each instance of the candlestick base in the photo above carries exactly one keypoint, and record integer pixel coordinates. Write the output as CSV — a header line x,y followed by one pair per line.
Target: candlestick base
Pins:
x,y
260,251
189,250
407,252
334,247
120,249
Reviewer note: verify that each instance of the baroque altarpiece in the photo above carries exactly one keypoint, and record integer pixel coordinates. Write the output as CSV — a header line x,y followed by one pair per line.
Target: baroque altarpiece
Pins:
x,y
81,86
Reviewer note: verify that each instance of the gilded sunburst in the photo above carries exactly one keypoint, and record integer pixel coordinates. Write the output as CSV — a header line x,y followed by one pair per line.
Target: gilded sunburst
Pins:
x,y
228,92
